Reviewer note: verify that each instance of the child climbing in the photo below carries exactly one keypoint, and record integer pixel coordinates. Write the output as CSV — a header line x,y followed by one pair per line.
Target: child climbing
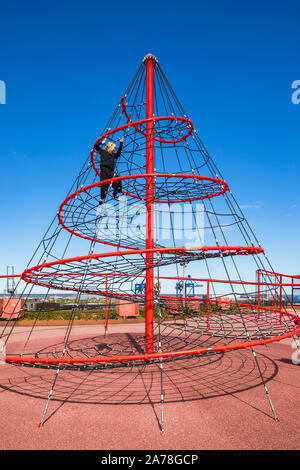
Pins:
x,y
107,167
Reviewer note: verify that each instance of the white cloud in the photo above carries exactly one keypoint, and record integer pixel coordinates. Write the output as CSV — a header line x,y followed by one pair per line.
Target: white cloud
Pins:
x,y
256,205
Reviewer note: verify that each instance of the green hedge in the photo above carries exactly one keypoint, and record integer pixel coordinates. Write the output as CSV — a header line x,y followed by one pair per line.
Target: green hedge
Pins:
x,y
67,315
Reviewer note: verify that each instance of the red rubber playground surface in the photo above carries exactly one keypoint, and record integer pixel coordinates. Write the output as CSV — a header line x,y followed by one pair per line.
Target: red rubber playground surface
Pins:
x,y
214,402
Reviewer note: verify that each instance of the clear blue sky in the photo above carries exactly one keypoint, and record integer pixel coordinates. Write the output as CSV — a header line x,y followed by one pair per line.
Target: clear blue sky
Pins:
x,y
67,63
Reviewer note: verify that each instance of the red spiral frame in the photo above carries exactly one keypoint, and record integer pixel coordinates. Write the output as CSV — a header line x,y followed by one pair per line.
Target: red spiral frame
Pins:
x,y
135,124
85,189
149,251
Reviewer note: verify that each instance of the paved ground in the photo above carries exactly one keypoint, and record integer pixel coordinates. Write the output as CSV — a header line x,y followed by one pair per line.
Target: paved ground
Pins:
x,y
211,403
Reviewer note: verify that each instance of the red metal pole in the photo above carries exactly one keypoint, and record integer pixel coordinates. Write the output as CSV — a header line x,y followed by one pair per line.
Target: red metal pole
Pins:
x,y
258,290
207,316
106,306
280,298
150,64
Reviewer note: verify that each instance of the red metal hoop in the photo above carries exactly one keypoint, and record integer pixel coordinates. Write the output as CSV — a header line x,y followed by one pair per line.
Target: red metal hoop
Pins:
x,y
224,250
150,357
135,124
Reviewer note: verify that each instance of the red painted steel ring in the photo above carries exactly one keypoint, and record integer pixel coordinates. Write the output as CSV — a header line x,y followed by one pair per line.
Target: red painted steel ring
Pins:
x,y
152,356
144,121
221,249
61,209
135,125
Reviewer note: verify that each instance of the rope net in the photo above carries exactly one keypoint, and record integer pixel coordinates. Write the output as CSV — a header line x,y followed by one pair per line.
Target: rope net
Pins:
x,y
133,246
